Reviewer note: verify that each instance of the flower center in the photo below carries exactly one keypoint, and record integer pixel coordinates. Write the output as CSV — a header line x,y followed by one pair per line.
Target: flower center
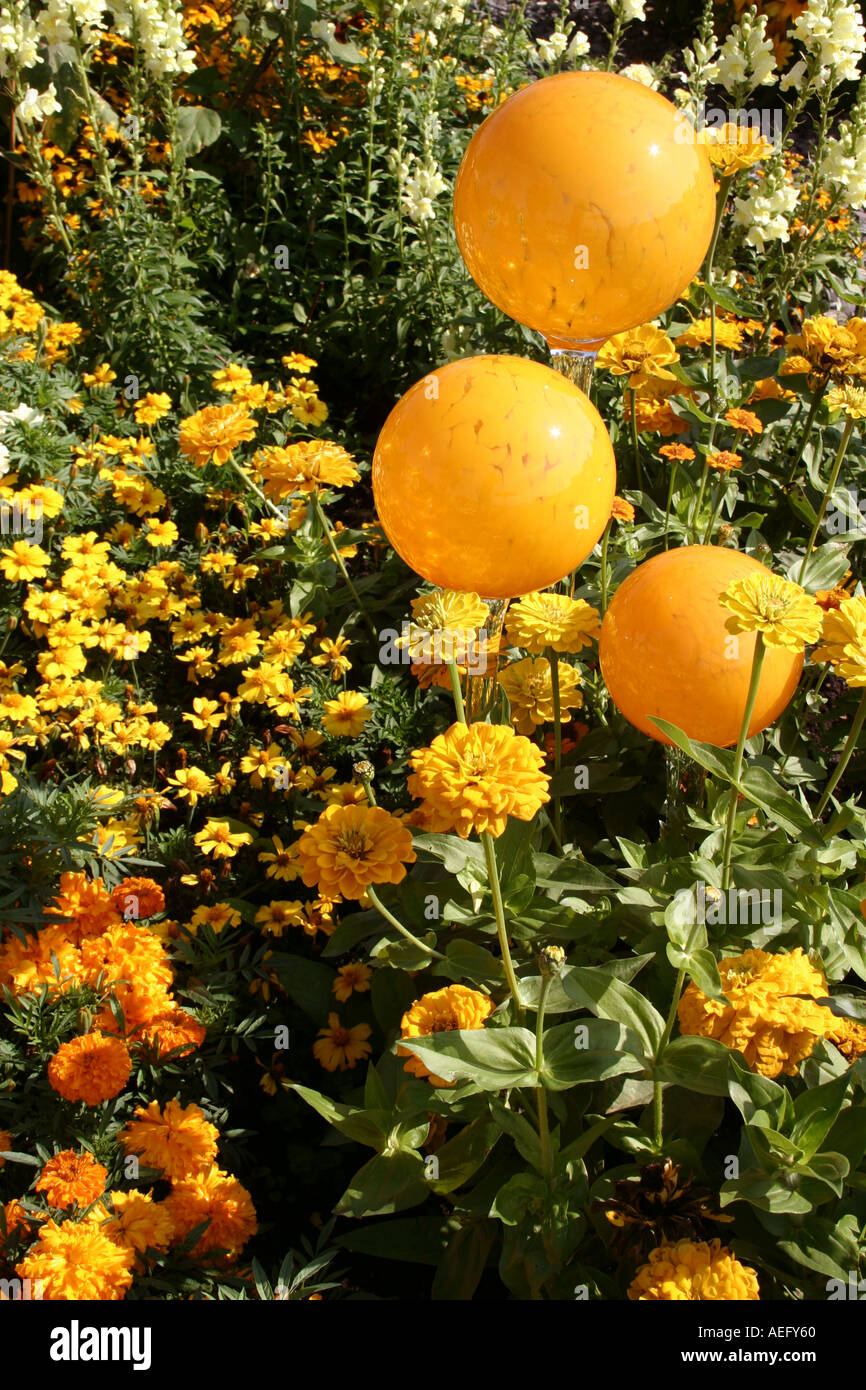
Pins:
x,y
354,843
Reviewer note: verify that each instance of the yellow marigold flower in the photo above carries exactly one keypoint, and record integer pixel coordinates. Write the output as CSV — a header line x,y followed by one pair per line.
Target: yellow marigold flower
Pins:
x,y
152,407
298,362
346,715
339,1047
70,1178
455,1007
694,1271
138,1222
231,378
332,653
785,614
76,1262
732,147
309,410
212,434
24,561
541,621
443,624
100,376
160,533
843,640
473,777
353,978
218,838
216,1197
282,862
217,916
529,687
177,1140
93,1068
641,354
351,847
849,399
763,1019
275,917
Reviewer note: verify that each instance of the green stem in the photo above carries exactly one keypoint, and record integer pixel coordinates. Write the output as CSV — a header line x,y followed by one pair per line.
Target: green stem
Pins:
x,y
398,926
658,1128
850,744
634,439
499,913
699,500
553,658
456,691
754,682
540,1092
807,429
828,492
329,537
671,485
720,485
604,543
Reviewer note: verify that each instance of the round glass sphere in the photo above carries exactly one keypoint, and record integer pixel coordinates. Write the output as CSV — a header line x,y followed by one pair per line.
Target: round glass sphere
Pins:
x,y
665,650
494,475
584,206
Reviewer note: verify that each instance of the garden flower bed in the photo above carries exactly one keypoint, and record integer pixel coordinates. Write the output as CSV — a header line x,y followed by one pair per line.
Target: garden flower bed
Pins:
x,y
432,850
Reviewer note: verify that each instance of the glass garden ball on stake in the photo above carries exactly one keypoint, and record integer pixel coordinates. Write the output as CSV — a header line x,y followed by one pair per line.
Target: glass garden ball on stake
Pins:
x,y
665,650
583,207
493,475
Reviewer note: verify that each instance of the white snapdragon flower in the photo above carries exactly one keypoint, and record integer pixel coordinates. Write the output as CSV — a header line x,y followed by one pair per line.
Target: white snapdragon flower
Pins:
x,y
578,45
35,105
628,9
833,32
158,30
746,60
765,213
420,185
640,72
549,51
844,164
19,39
323,30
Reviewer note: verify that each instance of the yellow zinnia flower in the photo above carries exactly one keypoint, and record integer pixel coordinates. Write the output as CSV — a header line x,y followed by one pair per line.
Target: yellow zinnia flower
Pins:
x,y
455,1007
213,433
732,147
444,623
529,687
694,1271
473,777
843,640
850,399
541,621
351,847
785,614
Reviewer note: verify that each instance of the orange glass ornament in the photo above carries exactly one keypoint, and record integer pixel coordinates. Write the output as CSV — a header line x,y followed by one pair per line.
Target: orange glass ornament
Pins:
x,y
665,650
584,206
494,474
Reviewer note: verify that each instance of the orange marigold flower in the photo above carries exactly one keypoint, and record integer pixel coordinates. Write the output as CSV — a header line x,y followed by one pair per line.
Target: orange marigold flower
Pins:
x,y
341,1047
78,1262
134,962
88,905
138,897
693,1271
621,510
70,1178
139,1222
172,1030
214,1196
351,847
93,1068
177,1140
456,1006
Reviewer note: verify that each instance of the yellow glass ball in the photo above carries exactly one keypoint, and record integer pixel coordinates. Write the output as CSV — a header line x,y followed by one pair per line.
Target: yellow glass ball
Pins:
x,y
494,475
584,206
666,652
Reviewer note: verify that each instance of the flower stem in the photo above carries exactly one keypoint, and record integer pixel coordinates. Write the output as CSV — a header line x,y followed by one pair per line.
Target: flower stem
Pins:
x,y
713,511
398,926
665,1039
671,485
754,682
553,658
329,537
499,913
635,444
807,428
828,492
540,1093
604,543
845,758
456,691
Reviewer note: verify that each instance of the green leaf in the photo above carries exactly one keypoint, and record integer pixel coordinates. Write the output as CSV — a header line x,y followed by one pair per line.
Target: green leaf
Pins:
x,y
521,1195
388,1182
466,960
613,1051
463,1155
411,1240
610,998
494,1058
459,1274
364,1126
197,126
518,1128
307,982
696,1064
815,1113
